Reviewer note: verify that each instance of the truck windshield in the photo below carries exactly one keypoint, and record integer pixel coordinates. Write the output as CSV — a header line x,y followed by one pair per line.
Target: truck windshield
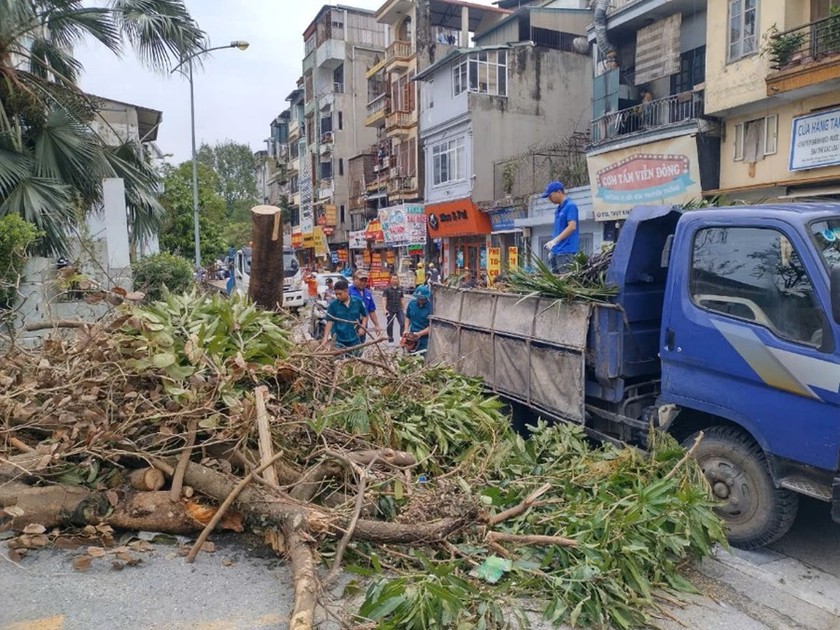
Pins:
x,y
290,264
826,235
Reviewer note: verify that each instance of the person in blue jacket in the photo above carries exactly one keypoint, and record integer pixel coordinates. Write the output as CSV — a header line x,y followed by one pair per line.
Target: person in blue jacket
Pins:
x,y
346,318
564,245
417,318
359,289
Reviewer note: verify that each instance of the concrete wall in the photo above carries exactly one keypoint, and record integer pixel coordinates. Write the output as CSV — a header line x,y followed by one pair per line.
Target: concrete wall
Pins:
x,y
549,94
773,169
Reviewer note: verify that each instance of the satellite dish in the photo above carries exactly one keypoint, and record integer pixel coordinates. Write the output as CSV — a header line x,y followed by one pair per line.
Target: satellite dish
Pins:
x,y
581,45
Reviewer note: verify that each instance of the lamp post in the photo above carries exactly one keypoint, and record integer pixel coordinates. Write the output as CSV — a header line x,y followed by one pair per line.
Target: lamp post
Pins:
x,y
241,45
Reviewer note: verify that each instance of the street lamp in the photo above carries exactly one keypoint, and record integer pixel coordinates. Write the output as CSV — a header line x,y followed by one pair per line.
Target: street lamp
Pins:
x,y
241,45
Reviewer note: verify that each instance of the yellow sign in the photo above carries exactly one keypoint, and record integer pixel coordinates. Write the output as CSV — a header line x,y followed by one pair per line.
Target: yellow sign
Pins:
x,y
513,257
494,263
308,240
331,215
320,244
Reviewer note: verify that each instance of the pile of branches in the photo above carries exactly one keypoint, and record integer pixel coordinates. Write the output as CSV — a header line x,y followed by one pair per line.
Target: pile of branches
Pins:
x,y
584,280
199,412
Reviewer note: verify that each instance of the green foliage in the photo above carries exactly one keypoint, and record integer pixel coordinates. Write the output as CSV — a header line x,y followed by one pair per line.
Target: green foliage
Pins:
x,y
584,281
636,518
16,237
190,336
177,234
154,273
233,162
446,414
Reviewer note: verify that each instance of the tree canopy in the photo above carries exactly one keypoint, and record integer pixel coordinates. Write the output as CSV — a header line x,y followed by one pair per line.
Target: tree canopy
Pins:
x,y
234,164
52,160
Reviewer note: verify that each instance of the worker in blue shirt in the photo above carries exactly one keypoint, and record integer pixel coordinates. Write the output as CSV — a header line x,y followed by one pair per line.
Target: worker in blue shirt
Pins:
x,y
565,240
417,317
346,318
359,290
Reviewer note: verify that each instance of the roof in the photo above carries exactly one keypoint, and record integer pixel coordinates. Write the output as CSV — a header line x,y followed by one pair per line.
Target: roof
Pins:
x,y
148,120
294,94
329,7
456,53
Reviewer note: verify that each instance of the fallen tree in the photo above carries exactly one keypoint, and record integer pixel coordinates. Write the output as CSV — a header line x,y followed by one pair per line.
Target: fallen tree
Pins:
x,y
199,413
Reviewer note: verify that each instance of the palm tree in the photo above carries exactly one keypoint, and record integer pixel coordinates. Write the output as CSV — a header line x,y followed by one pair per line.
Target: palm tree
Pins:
x,y
52,161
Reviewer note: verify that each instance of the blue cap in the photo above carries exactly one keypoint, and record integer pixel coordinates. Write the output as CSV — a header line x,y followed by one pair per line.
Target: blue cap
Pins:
x,y
553,187
422,291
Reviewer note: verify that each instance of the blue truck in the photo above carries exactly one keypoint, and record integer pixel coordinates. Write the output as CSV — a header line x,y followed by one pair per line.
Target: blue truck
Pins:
x,y
726,321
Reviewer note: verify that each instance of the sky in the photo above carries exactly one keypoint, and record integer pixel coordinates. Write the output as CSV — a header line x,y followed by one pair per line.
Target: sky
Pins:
x,y
237,93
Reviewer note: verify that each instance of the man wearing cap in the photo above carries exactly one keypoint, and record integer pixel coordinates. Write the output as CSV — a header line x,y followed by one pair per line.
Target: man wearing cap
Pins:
x,y
417,318
359,290
346,318
564,244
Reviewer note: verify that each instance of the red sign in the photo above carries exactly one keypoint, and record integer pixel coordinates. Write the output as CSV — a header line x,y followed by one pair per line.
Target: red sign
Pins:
x,y
456,218
297,239
373,231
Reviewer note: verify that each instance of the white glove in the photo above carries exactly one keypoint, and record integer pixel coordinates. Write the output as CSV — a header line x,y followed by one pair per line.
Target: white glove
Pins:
x,y
549,245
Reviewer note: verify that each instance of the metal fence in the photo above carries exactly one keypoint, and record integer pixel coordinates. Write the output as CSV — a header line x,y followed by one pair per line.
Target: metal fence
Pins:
x,y
643,117
805,43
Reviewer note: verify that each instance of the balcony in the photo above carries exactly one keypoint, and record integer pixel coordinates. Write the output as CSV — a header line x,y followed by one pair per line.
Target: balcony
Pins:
x,y
376,111
402,185
325,189
805,57
398,55
397,122
659,114
331,53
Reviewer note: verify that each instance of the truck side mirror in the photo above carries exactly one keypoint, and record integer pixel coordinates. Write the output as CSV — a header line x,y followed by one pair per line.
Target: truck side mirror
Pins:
x,y
834,287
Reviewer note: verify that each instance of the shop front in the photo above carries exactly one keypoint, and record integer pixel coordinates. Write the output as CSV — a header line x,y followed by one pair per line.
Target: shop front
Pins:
x,y
404,235
506,236
464,232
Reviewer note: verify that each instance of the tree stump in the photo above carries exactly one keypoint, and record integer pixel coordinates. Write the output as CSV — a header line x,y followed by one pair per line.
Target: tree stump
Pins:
x,y
266,283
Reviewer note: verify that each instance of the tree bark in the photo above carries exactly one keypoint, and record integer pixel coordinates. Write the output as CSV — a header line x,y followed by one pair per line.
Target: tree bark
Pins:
x,y
266,283
304,573
146,479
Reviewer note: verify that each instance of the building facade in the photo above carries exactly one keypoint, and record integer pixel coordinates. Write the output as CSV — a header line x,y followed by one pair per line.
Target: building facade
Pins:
x,y
652,138
774,79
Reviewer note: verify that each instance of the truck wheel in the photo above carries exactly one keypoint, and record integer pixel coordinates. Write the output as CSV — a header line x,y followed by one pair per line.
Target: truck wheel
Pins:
x,y
755,512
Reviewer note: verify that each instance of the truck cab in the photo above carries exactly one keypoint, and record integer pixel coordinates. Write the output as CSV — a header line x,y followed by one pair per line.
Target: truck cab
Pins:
x,y
750,355
293,294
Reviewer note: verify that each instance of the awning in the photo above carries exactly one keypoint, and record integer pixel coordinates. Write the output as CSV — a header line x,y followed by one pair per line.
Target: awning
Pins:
x,y
799,193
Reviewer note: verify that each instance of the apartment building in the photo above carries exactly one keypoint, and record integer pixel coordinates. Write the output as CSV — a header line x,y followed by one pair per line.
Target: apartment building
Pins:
x,y
483,104
773,70
652,138
339,45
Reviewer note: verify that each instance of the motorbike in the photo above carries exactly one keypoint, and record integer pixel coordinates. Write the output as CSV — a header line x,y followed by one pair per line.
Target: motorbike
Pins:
x,y
318,319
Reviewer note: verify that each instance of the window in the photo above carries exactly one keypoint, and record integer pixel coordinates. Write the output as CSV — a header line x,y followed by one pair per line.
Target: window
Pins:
x,y
402,94
484,72
341,210
427,91
338,79
692,71
755,275
309,45
448,162
742,26
340,121
755,139
340,166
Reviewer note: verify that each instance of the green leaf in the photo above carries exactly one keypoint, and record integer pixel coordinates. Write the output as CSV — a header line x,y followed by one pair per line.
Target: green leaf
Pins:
x,y
493,568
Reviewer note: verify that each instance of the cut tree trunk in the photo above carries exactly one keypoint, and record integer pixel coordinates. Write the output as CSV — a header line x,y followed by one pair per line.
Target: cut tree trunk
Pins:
x,y
266,283
146,479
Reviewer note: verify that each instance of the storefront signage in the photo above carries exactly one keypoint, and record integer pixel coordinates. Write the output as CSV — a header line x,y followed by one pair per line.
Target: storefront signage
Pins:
x,y
403,225
373,231
494,264
815,141
342,256
357,240
320,241
379,276
456,218
660,172
308,240
513,257
297,239
504,218
330,215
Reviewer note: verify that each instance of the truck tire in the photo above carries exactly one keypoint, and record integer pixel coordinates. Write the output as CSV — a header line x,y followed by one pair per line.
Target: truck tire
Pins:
x,y
756,513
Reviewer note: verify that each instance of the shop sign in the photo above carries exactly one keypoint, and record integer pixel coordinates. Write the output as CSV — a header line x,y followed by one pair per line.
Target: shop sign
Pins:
x,y
329,231
402,225
373,232
494,264
815,141
297,239
391,257
503,218
379,276
415,250
320,241
664,172
308,240
357,239
456,218
513,257
342,256
330,215
334,257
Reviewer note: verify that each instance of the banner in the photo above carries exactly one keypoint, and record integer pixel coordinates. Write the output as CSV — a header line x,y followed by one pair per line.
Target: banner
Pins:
x,y
373,231
307,214
357,239
403,225
494,264
379,276
815,140
297,238
664,172
513,257
320,244
330,215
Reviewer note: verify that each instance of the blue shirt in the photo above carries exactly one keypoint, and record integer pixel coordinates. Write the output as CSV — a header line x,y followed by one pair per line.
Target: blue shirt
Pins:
x,y
344,319
566,211
419,315
365,296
